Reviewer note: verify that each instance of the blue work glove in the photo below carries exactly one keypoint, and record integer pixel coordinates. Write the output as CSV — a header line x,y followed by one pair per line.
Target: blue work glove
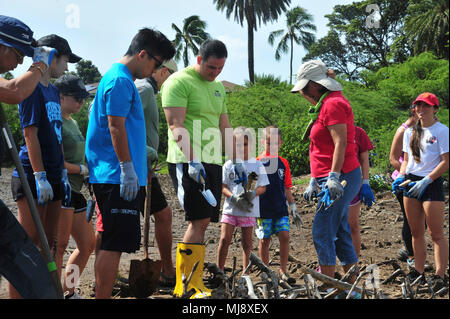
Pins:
x,y
43,188
334,187
66,187
44,54
312,190
196,170
129,182
366,194
240,173
419,187
396,184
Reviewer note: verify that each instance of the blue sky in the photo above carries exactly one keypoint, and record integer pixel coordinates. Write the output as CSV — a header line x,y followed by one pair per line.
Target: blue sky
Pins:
x,y
102,30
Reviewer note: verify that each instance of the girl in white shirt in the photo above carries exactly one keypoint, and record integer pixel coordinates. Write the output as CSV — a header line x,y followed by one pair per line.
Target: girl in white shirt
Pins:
x,y
426,159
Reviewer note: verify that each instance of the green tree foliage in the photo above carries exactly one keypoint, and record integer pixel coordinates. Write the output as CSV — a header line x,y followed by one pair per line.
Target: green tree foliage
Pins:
x,y
427,26
254,13
298,25
360,43
88,72
189,38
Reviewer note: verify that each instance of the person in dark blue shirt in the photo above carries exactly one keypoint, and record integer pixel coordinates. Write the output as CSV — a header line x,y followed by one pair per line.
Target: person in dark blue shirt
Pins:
x,y
41,154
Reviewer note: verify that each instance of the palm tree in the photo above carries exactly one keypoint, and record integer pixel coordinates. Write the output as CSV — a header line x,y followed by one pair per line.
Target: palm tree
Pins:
x,y
297,22
254,12
427,27
190,38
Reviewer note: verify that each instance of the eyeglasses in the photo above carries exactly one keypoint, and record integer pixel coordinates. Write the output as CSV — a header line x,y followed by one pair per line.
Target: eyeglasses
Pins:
x,y
158,61
18,54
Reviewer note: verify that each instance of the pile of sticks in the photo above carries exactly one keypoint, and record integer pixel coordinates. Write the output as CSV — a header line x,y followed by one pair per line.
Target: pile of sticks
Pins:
x,y
265,283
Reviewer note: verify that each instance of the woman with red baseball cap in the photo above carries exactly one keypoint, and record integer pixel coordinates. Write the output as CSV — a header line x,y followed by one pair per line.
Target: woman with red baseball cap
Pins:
x,y
426,159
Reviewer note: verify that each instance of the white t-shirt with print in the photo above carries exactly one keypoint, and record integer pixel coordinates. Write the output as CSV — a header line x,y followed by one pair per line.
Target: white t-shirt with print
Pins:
x,y
228,177
434,143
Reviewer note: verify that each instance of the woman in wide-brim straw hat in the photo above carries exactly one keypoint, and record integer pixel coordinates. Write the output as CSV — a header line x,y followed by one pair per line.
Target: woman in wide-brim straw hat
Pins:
x,y
332,159
426,159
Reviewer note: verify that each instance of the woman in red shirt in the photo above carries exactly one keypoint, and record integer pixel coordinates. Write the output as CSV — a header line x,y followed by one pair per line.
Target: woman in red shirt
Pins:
x,y
332,159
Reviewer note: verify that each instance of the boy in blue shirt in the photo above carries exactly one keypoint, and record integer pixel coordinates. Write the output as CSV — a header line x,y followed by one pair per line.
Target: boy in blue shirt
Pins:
x,y
273,209
116,152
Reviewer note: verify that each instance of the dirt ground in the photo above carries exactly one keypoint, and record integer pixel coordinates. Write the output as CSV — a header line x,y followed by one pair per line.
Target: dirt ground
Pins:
x,y
380,234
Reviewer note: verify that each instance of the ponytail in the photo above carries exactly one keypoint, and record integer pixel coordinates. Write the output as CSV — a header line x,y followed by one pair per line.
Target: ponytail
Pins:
x,y
415,144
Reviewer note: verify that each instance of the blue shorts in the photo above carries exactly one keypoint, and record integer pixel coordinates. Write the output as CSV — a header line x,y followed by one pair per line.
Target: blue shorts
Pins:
x,y
274,226
331,230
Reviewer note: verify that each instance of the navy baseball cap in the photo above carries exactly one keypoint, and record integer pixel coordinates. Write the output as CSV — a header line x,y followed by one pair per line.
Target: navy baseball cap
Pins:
x,y
71,85
14,33
60,44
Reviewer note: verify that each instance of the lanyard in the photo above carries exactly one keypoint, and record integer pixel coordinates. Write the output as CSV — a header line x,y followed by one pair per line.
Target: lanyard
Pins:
x,y
313,114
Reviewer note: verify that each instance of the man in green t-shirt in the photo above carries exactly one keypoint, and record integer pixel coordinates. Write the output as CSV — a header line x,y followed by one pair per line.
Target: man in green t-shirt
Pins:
x,y
194,105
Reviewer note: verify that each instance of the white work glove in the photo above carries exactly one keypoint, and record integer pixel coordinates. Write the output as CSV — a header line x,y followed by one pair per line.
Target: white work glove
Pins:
x,y
43,188
129,182
152,154
312,190
335,188
84,170
241,203
44,55
295,215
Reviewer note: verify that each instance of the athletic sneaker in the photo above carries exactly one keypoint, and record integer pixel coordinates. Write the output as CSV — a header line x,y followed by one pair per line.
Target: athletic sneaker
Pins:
x,y
411,263
437,283
414,274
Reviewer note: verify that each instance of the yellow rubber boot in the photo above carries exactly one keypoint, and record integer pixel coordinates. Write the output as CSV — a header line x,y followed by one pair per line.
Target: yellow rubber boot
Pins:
x,y
187,255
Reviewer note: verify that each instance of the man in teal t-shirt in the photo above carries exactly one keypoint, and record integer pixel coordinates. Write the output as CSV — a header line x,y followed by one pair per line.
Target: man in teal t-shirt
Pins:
x,y
115,152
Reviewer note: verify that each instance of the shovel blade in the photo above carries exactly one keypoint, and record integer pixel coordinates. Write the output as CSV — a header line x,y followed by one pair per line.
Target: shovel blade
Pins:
x,y
144,276
208,195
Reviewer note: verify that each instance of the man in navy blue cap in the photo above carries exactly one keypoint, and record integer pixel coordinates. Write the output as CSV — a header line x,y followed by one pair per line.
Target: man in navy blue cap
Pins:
x,y
16,41
20,260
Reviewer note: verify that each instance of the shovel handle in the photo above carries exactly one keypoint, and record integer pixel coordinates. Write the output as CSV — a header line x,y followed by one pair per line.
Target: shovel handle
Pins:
x,y
405,183
147,208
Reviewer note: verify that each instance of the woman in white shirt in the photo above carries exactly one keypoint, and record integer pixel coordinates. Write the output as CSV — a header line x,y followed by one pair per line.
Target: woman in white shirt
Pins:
x,y
426,159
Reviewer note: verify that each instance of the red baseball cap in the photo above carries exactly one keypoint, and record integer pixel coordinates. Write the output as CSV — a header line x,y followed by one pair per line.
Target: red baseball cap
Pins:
x,y
428,98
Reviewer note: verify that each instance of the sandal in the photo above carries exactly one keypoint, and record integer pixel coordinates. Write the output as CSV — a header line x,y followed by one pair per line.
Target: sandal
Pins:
x,y
167,281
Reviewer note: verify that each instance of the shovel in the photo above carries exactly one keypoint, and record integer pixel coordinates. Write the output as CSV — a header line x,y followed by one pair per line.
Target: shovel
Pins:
x,y
144,274
322,203
207,194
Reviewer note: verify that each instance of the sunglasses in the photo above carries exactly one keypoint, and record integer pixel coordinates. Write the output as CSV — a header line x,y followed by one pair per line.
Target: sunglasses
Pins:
x,y
158,61
18,54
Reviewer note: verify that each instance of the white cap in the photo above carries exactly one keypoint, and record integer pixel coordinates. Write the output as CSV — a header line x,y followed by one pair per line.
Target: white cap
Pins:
x,y
316,71
171,65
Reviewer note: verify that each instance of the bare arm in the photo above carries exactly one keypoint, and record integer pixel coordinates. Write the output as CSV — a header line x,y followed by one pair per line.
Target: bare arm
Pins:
x,y
30,134
260,190
339,135
119,137
175,117
226,191
364,161
397,148
289,196
441,168
16,90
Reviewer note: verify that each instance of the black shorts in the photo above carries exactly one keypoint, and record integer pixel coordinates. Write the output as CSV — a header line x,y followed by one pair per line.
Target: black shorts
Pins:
x,y
189,192
121,220
77,202
19,193
433,193
158,200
